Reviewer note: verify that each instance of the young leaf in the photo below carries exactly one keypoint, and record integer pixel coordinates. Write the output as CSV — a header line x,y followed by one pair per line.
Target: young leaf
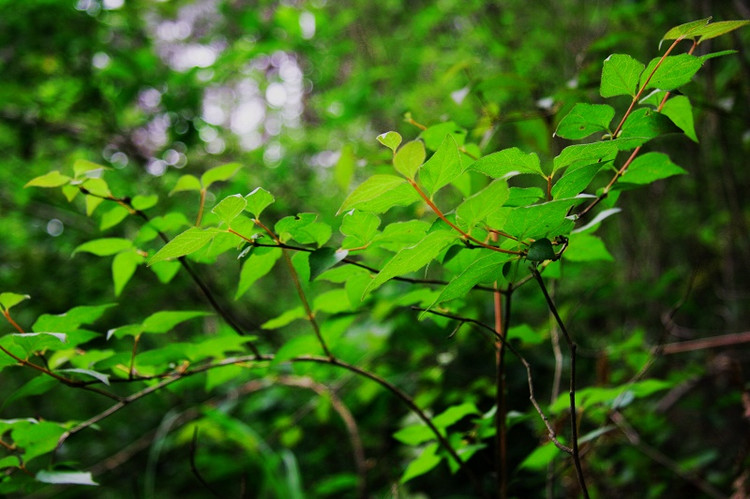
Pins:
x,y
8,300
435,135
105,247
259,263
229,208
391,140
113,217
141,202
323,259
409,158
481,269
673,72
648,168
443,167
718,28
379,193
687,30
507,163
188,242
680,111
413,258
585,119
51,179
219,174
620,76
123,268
88,168
258,200
186,183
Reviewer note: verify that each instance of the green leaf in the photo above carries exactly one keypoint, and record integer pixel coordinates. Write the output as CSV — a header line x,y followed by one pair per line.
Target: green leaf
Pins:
x,y
259,263
435,135
36,342
123,267
105,247
391,140
483,268
507,163
343,171
88,372
258,200
490,199
645,124
51,179
574,181
71,320
141,202
288,316
164,321
687,30
186,243
541,220
359,228
97,186
454,414
323,259
523,196
620,76
186,183
229,208
113,217
718,28
648,168
303,228
540,457
92,202
426,461
409,158
88,168
36,438
413,258
443,167
219,174
414,434
65,477
586,248
585,119
596,152
332,302
680,111
35,386
541,250
379,193
673,72
9,300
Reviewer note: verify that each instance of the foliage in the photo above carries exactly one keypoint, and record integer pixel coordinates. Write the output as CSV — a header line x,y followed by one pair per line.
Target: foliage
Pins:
x,y
369,309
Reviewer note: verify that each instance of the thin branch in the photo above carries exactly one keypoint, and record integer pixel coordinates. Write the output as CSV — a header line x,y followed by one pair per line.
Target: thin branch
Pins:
x,y
194,468
532,398
572,392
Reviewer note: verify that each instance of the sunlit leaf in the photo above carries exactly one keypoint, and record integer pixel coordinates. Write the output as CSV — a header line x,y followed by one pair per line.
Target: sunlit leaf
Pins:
x,y
687,30
359,228
648,168
672,72
229,208
164,321
259,263
507,163
620,76
443,167
141,202
51,179
574,181
645,124
586,248
391,140
585,119
680,111
476,208
186,243
219,174
258,200
409,158
105,247
186,183
9,300
379,193
426,461
85,167
124,265
435,135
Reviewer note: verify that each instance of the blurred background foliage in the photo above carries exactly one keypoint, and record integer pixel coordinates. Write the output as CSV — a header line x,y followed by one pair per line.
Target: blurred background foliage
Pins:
x,y
296,92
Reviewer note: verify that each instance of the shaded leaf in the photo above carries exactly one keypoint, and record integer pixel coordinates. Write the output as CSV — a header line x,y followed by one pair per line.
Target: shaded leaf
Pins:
x,y
648,168
259,263
541,250
164,321
586,248
71,320
123,267
323,259
413,258
574,181
680,111
645,124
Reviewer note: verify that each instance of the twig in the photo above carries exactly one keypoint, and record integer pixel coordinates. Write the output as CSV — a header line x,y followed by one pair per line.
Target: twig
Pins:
x,y
572,392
